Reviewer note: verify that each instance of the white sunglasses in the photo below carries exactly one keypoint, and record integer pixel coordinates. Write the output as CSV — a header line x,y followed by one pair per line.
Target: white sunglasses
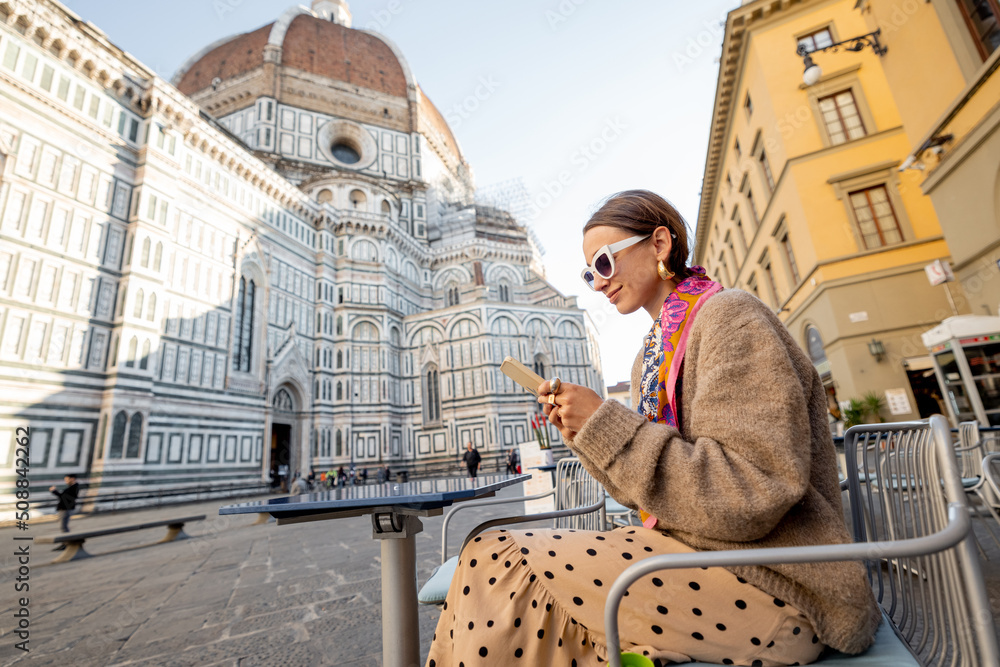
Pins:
x,y
604,260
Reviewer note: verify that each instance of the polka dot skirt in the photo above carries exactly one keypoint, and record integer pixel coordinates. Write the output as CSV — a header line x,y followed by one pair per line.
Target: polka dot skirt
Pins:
x,y
537,597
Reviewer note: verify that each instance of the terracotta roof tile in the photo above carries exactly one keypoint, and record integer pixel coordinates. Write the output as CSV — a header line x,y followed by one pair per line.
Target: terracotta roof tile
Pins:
x,y
333,51
237,56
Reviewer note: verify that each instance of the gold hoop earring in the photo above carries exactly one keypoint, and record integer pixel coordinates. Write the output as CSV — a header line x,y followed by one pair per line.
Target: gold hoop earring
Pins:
x,y
662,270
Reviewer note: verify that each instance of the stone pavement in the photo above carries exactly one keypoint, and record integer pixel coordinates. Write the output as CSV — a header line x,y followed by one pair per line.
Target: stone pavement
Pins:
x,y
236,594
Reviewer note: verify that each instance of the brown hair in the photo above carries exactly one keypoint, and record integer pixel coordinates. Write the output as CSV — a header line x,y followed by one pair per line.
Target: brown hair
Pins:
x,y
641,212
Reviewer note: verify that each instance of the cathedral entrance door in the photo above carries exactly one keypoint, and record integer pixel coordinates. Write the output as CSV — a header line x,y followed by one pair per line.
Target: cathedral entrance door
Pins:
x,y
284,419
281,454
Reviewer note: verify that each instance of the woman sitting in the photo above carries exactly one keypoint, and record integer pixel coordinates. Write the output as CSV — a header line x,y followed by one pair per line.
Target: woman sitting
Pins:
x,y
729,449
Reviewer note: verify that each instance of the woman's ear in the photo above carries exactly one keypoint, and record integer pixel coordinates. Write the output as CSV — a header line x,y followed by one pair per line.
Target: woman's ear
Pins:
x,y
662,243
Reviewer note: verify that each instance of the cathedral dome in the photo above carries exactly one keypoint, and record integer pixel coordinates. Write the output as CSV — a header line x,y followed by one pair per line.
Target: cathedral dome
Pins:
x,y
306,42
311,58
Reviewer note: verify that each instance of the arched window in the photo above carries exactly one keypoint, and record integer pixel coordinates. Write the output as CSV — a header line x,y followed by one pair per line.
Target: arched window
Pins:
x,y
340,442
157,256
340,392
243,331
118,435
432,394
540,365
504,290
132,347
364,250
386,209
134,437
138,304
144,261
358,199
340,325
817,353
340,358
151,307
144,359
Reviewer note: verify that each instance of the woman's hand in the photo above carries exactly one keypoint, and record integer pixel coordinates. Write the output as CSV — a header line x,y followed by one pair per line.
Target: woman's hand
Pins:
x,y
572,406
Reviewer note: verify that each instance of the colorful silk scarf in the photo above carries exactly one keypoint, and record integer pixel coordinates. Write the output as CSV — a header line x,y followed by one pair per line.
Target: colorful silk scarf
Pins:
x,y
663,354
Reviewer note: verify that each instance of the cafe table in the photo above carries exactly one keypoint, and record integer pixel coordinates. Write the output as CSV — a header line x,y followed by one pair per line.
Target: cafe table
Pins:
x,y
395,509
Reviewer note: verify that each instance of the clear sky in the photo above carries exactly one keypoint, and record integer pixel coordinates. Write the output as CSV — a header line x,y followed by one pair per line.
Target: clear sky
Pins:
x,y
579,98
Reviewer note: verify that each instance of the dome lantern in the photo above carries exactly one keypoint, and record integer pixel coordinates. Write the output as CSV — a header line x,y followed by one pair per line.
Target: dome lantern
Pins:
x,y
333,10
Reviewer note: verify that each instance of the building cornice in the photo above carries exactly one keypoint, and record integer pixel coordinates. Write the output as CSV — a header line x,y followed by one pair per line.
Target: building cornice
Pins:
x,y
83,47
731,63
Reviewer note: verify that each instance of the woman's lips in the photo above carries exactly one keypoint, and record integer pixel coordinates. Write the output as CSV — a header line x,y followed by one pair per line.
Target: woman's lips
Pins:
x,y
614,295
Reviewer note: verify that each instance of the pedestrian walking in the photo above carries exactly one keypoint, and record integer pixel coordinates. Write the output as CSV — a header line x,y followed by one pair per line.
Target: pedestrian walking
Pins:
x,y
471,458
283,477
513,462
66,502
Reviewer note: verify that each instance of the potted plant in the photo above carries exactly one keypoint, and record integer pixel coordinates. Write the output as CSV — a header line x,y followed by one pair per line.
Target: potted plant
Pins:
x,y
873,404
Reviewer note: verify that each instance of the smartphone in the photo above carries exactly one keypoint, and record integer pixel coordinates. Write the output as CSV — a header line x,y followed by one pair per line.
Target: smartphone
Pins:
x,y
521,374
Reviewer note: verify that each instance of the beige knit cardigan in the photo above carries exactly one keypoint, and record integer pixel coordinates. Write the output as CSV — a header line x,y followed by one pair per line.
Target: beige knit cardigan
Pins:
x,y
753,465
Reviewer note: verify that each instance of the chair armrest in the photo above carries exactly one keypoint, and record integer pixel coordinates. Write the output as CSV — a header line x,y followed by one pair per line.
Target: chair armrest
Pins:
x,y
541,516
959,525
480,503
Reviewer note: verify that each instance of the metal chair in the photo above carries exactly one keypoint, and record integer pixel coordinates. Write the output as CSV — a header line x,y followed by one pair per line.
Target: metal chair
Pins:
x,y
912,529
991,471
579,504
971,450
619,515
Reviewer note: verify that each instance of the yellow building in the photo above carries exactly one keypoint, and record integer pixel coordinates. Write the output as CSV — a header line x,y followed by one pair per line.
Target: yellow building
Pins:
x,y
951,111
943,68
804,204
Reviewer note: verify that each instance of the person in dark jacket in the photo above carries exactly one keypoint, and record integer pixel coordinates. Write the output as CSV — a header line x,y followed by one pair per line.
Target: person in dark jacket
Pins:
x,y
513,462
67,500
471,458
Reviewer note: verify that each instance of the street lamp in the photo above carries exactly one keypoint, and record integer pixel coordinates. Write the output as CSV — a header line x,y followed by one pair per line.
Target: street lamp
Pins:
x,y
812,72
876,349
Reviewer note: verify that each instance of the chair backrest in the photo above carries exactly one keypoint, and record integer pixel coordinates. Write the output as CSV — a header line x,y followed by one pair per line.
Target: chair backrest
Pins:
x,y
575,487
991,471
907,477
970,450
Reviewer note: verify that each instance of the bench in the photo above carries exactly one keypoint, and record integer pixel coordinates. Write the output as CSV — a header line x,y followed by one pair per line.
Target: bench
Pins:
x,y
74,541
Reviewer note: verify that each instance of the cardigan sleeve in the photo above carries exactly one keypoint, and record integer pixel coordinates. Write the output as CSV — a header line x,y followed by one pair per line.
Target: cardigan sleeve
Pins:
x,y
747,460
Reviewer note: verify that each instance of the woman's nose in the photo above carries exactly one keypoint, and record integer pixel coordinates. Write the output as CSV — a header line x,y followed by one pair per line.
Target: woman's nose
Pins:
x,y
600,282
